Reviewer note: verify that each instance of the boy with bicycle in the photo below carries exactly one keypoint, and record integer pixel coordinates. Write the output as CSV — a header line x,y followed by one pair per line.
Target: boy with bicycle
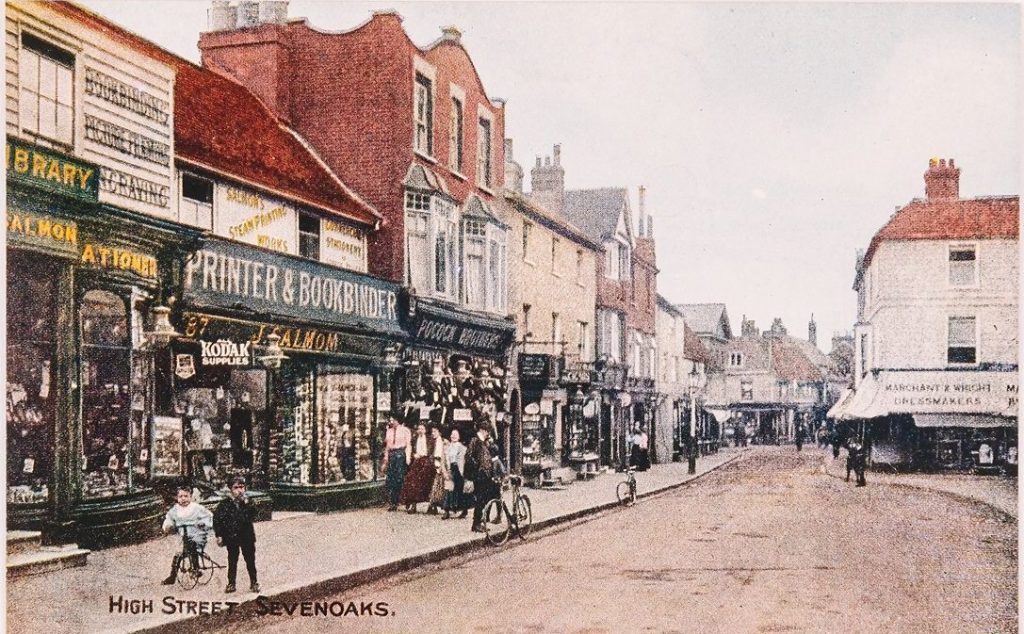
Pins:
x,y
195,520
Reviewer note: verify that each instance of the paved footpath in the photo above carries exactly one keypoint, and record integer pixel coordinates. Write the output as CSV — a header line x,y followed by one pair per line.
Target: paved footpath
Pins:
x,y
999,492
298,556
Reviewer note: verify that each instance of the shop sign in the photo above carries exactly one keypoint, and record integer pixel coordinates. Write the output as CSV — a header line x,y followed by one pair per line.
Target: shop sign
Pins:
x,y
447,331
947,392
293,338
342,245
126,141
184,366
576,374
225,352
119,259
534,367
51,170
247,216
130,186
39,230
120,94
228,275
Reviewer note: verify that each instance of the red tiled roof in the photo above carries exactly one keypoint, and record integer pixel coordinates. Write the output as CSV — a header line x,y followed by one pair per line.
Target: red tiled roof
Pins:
x,y
791,364
964,219
221,125
693,349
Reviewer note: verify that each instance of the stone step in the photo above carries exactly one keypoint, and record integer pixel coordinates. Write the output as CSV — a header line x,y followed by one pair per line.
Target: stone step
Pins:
x,y
46,559
23,542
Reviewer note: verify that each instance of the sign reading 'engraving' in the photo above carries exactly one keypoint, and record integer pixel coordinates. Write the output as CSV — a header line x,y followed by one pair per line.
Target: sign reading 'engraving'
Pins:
x,y
129,186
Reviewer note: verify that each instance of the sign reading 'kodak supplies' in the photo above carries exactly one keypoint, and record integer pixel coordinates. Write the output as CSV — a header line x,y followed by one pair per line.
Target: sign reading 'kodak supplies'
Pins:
x,y
51,170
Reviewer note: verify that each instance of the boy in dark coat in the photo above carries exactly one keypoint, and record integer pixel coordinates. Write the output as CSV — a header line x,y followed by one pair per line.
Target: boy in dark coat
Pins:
x,y
232,524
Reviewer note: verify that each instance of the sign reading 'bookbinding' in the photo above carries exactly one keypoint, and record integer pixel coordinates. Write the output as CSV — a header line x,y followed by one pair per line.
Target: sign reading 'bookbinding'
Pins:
x,y
224,274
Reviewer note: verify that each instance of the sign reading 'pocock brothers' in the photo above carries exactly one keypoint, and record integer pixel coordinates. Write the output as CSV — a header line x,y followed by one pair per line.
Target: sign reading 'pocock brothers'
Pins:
x,y
227,275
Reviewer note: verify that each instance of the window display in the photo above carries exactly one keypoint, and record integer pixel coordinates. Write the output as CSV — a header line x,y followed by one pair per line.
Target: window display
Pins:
x,y
105,383
30,405
167,446
345,425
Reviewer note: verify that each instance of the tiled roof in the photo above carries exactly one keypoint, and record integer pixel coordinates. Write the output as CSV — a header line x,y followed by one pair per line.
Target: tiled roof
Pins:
x,y
705,318
965,219
221,125
551,220
693,349
790,363
595,211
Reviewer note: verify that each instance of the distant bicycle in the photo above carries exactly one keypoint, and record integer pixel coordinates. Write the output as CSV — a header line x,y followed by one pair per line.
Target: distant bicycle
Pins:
x,y
189,576
626,490
500,519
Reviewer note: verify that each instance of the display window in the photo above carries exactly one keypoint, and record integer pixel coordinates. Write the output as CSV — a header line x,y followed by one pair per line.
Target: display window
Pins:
x,y
345,425
115,385
220,416
30,403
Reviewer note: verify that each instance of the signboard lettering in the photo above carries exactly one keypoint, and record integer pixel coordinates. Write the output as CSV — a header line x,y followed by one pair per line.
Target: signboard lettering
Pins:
x,y
51,170
949,392
129,186
224,274
247,216
120,94
125,141
39,229
121,259
457,334
224,352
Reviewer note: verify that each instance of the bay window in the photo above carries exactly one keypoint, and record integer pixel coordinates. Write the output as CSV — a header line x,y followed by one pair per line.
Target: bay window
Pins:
x,y
431,237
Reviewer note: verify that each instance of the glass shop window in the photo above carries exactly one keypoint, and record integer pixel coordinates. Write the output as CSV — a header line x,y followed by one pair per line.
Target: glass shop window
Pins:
x,y
106,394
30,402
345,426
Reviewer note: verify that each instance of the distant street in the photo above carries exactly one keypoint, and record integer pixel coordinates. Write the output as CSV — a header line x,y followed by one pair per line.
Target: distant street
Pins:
x,y
768,543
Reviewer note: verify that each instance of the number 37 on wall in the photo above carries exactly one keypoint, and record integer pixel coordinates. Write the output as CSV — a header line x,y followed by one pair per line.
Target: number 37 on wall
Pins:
x,y
195,325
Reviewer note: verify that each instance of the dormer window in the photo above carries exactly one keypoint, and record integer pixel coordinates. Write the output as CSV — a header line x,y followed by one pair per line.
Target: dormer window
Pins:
x,y
736,359
196,206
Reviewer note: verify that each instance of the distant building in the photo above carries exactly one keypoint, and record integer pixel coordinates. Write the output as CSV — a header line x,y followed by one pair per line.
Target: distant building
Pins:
x,y
681,384
936,333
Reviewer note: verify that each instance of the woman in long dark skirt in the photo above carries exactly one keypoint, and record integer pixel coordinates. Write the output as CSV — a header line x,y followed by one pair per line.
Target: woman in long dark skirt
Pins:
x,y
420,477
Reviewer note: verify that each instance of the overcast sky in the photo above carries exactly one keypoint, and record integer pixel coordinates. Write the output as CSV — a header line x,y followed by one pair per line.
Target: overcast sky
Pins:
x,y
774,139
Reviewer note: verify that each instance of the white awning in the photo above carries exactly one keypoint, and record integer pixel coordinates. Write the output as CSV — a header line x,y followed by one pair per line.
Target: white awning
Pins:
x,y
862,403
835,412
976,421
721,415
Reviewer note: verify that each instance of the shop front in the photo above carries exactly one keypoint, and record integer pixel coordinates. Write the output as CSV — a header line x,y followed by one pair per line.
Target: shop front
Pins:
x,y
614,412
543,403
284,374
454,374
82,278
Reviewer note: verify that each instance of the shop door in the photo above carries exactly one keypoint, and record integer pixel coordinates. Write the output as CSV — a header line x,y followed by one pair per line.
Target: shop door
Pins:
x,y
606,434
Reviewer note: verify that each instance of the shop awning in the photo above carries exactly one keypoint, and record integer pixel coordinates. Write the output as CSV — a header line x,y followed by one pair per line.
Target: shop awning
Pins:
x,y
835,412
721,415
861,404
976,421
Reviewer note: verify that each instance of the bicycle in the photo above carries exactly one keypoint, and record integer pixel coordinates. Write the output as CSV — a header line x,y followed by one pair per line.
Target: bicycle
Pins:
x,y
500,521
187,575
626,490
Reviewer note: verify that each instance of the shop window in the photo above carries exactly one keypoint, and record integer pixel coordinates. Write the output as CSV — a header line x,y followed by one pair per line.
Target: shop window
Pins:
x,y
106,385
455,136
423,116
46,78
344,423
962,340
309,236
30,378
196,206
963,265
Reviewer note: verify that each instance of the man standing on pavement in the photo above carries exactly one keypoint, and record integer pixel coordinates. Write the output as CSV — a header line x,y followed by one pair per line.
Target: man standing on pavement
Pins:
x,y
480,469
397,455
232,524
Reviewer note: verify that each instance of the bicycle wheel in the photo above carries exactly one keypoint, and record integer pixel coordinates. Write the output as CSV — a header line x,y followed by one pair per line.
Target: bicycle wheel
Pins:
x,y
524,516
186,574
495,522
207,569
625,494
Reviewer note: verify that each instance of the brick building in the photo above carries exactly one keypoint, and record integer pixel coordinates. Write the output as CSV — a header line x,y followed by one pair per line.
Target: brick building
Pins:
x,y
413,131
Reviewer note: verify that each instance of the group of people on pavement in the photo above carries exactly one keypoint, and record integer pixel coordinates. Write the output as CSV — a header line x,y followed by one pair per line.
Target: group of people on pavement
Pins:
x,y
446,475
232,524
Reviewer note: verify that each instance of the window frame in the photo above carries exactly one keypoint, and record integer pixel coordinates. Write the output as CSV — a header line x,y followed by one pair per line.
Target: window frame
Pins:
x,y
196,202
307,217
422,84
29,43
949,344
735,359
973,247
746,389
484,152
456,134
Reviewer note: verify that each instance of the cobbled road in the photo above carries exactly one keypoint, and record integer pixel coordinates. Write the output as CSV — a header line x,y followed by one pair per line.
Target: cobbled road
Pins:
x,y
768,543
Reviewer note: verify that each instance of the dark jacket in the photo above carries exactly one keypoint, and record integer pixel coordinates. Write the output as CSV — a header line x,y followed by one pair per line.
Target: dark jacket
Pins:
x,y
232,522
478,460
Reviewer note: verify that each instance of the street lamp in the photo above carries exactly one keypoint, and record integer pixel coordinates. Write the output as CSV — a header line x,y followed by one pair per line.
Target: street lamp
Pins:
x,y
692,444
162,333
274,355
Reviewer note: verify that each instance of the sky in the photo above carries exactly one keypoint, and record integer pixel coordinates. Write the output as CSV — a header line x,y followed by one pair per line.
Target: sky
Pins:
x,y
774,139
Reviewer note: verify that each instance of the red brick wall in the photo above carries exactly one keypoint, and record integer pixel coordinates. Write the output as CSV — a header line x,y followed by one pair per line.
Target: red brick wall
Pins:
x,y
351,97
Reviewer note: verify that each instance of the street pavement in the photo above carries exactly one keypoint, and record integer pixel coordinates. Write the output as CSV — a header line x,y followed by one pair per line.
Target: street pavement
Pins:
x,y
772,542
300,555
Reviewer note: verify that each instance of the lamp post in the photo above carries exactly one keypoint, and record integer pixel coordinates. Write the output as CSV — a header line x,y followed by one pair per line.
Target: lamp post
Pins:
x,y
271,360
691,449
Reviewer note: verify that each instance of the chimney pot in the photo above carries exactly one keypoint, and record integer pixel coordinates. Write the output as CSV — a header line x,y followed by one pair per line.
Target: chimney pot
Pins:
x,y
558,153
951,163
942,162
538,161
451,34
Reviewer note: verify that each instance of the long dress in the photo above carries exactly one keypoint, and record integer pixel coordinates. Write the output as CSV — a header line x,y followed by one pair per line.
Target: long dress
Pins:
x,y
420,477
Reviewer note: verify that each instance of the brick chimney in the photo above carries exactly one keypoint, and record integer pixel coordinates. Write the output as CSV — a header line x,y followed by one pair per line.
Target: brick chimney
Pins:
x,y
548,181
812,332
942,180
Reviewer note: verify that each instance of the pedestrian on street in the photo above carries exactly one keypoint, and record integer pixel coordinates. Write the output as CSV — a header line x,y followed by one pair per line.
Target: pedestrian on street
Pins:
x,y
455,456
194,520
420,478
641,443
856,461
799,437
233,525
397,455
480,469
836,442
437,452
